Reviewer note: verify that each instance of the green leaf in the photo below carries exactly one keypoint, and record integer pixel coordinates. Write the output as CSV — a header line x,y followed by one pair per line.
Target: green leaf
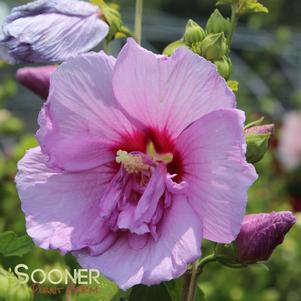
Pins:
x,y
200,296
12,245
152,293
225,2
256,8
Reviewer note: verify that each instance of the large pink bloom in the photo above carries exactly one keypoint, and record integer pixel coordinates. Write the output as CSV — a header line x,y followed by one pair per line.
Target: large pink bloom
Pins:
x,y
141,158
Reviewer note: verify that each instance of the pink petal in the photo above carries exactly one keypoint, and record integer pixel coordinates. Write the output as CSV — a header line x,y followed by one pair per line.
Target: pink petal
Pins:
x,y
61,208
81,119
218,176
168,93
128,264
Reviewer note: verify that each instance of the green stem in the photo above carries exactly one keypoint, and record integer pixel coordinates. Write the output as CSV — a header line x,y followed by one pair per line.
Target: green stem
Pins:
x,y
234,20
138,20
206,260
193,282
191,278
106,47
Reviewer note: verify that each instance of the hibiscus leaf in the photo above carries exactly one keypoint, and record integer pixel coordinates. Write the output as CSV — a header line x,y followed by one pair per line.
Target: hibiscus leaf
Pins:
x,y
12,245
200,296
145,293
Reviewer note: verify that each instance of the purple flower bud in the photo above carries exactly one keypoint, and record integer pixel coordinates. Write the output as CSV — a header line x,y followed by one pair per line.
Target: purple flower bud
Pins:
x,y
51,30
260,129
36,79
260,234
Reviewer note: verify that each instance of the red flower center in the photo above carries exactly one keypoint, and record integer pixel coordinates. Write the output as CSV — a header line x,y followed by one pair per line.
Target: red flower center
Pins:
x,y
163,144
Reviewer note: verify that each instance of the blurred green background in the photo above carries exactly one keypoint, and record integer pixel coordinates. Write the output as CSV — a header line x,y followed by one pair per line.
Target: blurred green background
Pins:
x,y
267,63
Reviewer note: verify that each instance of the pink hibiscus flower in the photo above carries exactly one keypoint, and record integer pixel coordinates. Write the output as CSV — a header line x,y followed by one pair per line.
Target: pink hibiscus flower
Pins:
x,y
141,158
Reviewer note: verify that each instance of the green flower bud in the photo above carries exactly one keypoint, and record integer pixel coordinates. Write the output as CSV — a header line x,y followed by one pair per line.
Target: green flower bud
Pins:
x,y
224,66
193,33
11,289
173,46
4,283
214,46
19,292
258,138
217,23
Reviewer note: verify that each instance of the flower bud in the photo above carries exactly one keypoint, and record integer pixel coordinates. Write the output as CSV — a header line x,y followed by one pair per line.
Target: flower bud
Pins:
x,y
193,33
260,234
4,283
217,23
258,139
49,31
172,47
11,289
224,67
214,46
36,79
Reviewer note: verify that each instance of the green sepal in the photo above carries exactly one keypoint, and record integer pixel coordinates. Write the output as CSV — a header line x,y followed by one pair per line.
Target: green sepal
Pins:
x,y
226,254
224,67
257,146
214,46
254,123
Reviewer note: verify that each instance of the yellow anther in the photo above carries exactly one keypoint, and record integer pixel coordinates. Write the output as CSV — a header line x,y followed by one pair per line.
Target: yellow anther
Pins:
x,y
131,163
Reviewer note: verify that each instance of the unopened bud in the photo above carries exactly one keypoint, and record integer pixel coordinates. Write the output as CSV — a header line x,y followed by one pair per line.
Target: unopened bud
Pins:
x,y
217,23
258,140
169,50
260,234
224,67
36,79
214,46
193,33
11,289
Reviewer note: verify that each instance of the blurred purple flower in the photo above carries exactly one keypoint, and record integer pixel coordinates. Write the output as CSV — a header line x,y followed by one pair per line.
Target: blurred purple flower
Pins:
x,y
36,79
290,141
51,30
261,233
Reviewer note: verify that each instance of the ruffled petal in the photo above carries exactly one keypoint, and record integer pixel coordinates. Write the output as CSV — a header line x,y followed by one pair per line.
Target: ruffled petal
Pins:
x,y
61,208
168,94
81,120
216,171
134,260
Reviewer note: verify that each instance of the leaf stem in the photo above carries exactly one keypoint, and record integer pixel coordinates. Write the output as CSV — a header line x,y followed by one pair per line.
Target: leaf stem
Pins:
x,y
202,262
138,20
191,277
